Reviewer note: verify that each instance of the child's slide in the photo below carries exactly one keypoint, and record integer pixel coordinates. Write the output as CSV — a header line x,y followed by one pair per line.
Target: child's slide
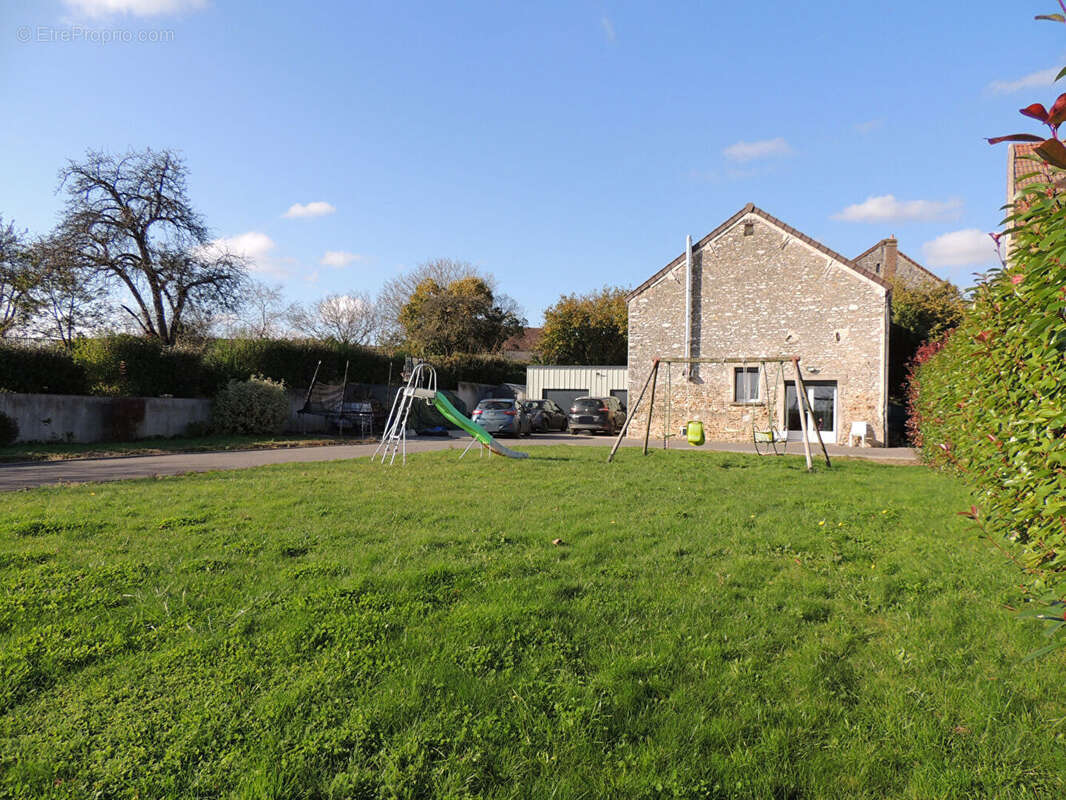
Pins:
x,y
451,413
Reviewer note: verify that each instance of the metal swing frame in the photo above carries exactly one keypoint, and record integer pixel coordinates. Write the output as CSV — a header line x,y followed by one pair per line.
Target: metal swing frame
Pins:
x,y
766,441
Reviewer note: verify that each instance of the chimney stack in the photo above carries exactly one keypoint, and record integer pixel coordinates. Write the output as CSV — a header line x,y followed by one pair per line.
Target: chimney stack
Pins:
x,y
890,252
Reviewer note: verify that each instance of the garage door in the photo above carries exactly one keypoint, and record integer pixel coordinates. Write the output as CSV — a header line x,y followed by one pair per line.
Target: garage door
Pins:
x,y
563,397
621,394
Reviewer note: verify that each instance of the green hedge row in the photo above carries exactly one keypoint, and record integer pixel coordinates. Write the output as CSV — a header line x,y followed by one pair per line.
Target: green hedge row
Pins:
x,y
989,403
132,366
43,370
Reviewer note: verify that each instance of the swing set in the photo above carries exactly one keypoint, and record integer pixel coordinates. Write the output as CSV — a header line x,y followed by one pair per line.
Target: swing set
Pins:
x,y
773,438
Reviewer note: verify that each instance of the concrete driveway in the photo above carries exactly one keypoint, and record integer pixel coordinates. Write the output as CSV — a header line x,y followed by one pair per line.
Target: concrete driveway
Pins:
x,y
27,475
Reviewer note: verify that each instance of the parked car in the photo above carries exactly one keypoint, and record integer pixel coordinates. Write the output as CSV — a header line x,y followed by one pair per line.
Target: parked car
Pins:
x,y
594,414
545,415
502,416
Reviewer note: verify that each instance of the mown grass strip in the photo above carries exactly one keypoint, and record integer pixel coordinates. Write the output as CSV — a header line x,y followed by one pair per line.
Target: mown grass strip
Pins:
x,y
713,625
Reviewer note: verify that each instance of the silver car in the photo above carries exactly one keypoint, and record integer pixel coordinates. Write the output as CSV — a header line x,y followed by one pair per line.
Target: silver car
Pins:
x,y
502,416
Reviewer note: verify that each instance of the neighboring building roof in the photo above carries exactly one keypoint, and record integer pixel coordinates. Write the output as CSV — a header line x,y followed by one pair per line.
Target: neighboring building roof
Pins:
x,y
751,208
1019,163
525,341
899,254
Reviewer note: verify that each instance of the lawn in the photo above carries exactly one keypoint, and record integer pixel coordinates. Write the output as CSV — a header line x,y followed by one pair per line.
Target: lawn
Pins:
x,y
713,625
67,451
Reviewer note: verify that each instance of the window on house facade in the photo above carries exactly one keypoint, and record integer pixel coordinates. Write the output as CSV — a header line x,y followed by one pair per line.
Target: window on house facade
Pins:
x,y
746,385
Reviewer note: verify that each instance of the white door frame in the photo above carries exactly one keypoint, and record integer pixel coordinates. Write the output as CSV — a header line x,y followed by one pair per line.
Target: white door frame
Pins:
x,y
828,437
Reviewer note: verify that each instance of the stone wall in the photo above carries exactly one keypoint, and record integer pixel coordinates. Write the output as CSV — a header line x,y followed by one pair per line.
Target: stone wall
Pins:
x,y
78,418
760,295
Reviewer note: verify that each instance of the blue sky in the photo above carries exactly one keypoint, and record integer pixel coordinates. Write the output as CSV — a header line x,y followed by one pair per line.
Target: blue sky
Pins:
x,y
560,146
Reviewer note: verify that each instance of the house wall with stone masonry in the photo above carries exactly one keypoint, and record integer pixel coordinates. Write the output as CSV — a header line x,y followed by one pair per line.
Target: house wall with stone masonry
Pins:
x,y
766,294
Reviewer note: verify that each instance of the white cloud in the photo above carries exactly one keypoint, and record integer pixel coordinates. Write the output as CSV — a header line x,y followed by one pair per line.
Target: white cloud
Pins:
x,y
966,248
339,258
608,28
886,208
254,247
138,8
318,208
1034,80
750,151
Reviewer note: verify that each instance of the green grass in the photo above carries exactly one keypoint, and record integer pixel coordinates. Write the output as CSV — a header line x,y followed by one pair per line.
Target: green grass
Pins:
x,y
67,451
714,626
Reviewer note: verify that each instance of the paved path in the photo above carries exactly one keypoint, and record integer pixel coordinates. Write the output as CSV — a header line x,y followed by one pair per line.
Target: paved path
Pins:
x,y
30,474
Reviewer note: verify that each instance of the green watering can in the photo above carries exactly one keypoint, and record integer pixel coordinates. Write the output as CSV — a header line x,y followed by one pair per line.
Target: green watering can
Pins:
x,y
694,432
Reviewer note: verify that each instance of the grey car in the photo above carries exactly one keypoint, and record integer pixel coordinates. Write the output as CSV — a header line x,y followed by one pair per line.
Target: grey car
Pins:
x,y
502,416
597,414
545,415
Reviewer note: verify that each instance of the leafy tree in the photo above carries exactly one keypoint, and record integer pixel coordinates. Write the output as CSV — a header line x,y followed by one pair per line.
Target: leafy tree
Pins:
x,y
344,318
397,292
460,317
128,220
919,314
586,329
927,311
18,280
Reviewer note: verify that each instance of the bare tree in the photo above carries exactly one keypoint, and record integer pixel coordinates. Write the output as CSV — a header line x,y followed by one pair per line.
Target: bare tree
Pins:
x,y
349,319
397,292
262,313
129,220
18,280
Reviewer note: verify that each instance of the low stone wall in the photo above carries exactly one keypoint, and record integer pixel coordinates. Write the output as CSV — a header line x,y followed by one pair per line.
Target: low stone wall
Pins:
x,y
80,418
84,418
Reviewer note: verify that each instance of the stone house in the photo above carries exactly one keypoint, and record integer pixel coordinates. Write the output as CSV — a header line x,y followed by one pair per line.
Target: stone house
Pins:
x,y
757,288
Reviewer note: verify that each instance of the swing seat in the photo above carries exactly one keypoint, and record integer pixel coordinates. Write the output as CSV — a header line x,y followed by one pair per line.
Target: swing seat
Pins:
x,y
694,433
769,437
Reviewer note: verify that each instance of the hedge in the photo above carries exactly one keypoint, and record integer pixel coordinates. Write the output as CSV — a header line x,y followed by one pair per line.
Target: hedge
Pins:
x,y
40,370
124,365
293,361
134,366
989,403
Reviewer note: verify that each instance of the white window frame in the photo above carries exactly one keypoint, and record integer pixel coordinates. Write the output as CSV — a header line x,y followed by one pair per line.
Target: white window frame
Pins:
x,y
744,370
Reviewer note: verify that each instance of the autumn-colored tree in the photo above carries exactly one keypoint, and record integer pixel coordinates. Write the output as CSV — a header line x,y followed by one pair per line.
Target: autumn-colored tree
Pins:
x,y
919,314
586,329
462,316
397,293
928,310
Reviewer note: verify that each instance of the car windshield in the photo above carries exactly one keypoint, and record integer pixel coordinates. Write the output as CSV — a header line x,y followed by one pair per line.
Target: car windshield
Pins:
x,y
535,404
496,405
588,404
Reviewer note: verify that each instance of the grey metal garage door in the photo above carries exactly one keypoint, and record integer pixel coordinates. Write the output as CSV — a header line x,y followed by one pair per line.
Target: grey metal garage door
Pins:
x,y
564,397
621,394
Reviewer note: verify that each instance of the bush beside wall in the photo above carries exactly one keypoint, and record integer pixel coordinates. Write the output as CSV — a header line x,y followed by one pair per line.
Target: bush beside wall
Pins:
x,y
257,405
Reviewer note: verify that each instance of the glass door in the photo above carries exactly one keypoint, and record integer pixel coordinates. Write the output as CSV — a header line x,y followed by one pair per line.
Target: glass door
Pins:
x,y
822,397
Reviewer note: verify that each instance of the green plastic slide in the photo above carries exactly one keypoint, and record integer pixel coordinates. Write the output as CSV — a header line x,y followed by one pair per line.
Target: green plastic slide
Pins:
x,y
451,413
